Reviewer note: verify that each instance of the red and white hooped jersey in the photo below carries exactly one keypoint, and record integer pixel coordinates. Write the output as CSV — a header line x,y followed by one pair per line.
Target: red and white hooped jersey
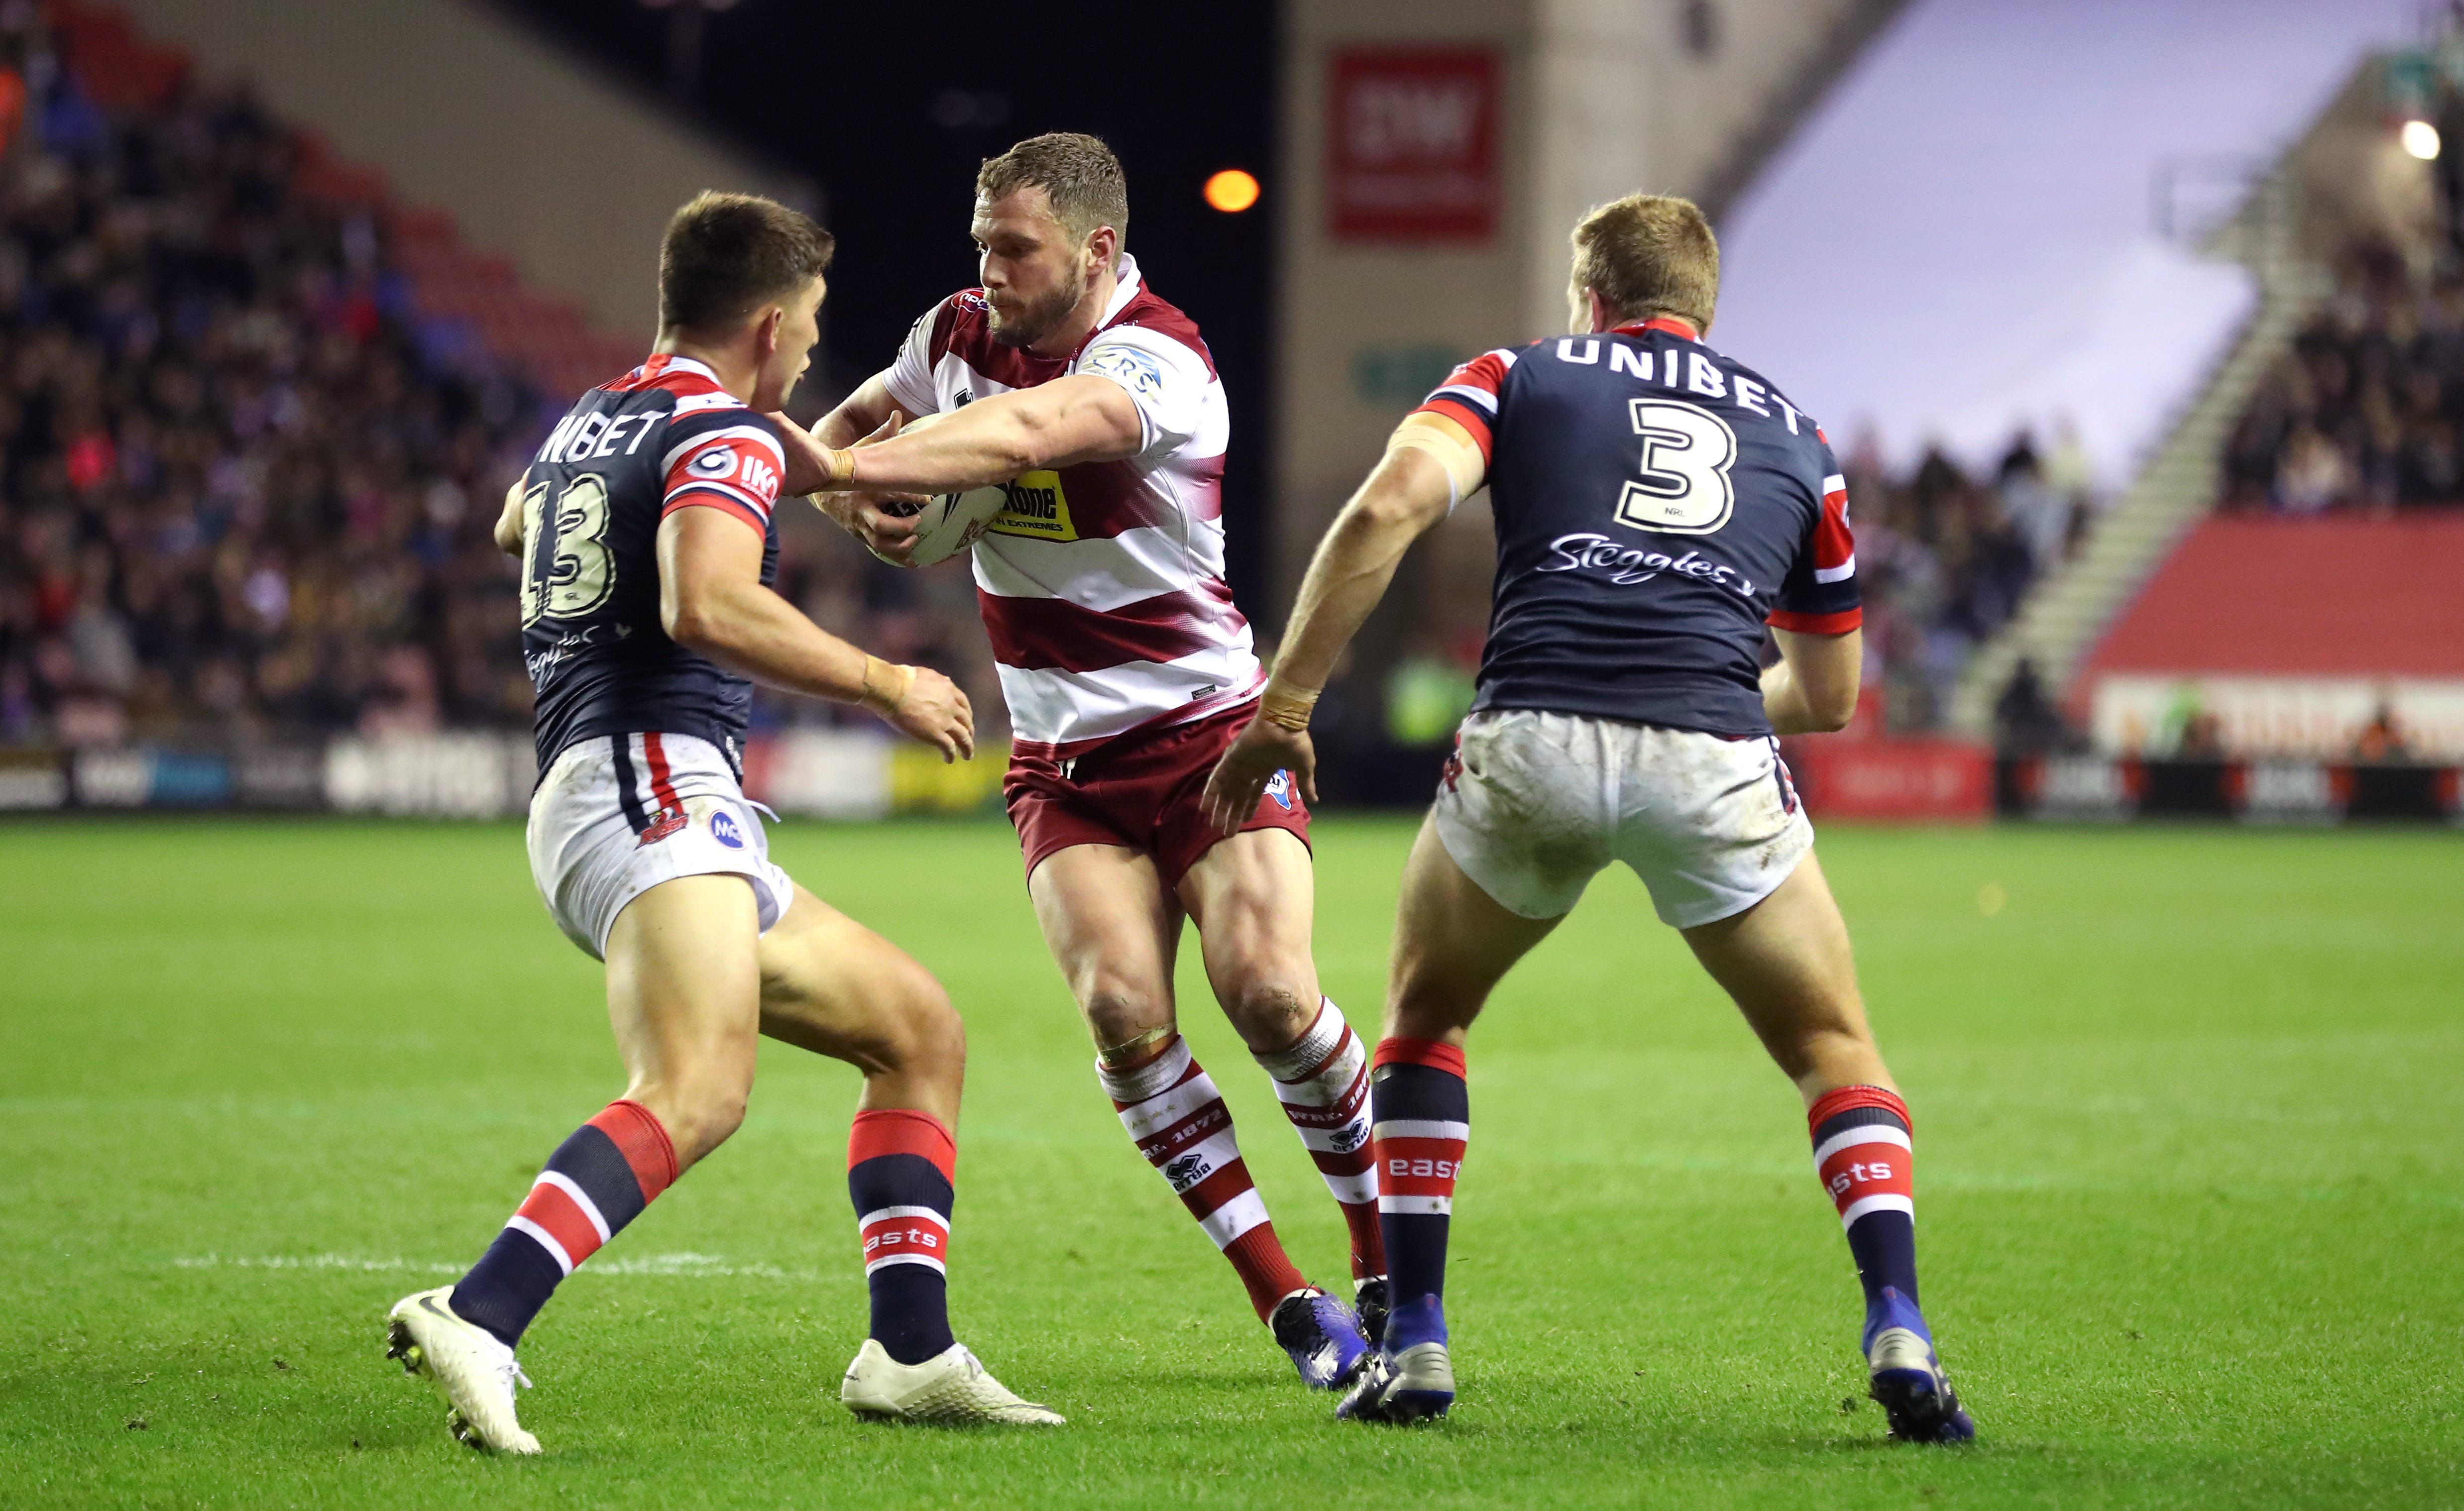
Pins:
x,y
1101,584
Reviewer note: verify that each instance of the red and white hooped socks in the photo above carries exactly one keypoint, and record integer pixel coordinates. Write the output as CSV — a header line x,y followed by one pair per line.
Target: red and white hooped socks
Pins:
x,y
595,1183
1171,1111
1323,1082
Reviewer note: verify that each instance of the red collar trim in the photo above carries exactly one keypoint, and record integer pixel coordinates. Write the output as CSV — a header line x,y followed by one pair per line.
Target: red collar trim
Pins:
x,y
1659,323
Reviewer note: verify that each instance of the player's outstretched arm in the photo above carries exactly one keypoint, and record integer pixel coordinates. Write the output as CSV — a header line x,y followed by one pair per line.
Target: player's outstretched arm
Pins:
x,y
1084,418
868,415
1811,689
711,599
1423,474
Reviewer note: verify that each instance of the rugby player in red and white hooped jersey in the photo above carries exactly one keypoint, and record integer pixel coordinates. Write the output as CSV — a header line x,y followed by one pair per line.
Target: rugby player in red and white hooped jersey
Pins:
x,y
1126,669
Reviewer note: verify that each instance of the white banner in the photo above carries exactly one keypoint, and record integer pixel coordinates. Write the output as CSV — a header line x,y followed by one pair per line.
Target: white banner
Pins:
x,y
2314,718
826,773
471,776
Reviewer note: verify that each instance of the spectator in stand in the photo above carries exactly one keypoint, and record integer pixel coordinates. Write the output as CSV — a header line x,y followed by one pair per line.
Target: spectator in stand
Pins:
x,y
235,473
2363,411
2025,720
245,485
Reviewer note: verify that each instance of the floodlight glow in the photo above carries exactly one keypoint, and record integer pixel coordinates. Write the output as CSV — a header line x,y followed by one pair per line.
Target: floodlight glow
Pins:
x,y
1232,191
2420,138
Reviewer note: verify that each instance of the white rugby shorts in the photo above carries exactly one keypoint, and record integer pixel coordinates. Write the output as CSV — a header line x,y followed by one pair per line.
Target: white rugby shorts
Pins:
x,y
620,814
1534,804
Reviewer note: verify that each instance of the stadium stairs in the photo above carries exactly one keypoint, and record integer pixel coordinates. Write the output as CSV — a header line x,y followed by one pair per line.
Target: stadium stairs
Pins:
x,y
2063,619
461,296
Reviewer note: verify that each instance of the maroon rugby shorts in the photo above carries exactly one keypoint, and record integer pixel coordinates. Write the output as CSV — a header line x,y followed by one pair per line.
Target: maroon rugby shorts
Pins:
x,y
1140,792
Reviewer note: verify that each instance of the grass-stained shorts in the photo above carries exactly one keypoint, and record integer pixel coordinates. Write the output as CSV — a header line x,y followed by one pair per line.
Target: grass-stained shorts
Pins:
x,y
1140,792
619,814
1534,804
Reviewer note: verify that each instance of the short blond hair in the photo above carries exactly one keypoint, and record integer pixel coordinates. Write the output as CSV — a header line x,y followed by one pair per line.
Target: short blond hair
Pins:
x,y
1080,177
1649,254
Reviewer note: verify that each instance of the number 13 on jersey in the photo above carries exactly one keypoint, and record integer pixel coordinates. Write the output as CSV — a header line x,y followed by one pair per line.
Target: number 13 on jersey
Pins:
x,y
566,570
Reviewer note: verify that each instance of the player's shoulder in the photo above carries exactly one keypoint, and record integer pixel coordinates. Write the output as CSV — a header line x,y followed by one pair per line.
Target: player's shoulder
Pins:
x,y
1754,400
1148,319
733,422
962,323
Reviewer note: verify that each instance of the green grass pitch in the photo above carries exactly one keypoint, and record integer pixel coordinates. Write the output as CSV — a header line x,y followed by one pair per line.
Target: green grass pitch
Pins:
x,y
2190,1108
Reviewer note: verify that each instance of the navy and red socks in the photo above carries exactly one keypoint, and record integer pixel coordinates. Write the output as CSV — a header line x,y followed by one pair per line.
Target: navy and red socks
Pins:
x,y
902,1167
1863,1154
1421,1119
595,1183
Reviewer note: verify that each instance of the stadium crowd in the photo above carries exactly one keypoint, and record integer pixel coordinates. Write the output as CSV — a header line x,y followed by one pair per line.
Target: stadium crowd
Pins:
x,y
2365,410
241,490
246,485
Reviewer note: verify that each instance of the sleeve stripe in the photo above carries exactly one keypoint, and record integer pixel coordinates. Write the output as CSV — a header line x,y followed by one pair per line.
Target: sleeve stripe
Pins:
x,y
1504,356
749,500
702,495
700,438
1462,414
1839,623
1481,397
1838,574
1834,484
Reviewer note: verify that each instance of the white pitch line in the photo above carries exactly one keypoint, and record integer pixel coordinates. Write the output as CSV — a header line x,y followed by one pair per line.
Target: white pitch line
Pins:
x,y
682,1266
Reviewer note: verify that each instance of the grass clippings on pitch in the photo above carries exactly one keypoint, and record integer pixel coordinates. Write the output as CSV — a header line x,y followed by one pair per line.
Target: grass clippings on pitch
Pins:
x,y
2190,1110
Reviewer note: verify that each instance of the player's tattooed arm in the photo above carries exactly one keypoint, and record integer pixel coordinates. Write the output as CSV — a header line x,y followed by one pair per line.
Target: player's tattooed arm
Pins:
x,y
1083,418
711,599
1410,493
1811,689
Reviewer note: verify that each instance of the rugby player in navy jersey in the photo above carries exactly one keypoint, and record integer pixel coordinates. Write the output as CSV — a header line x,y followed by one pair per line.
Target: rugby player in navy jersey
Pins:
x,y
1657,505
643,526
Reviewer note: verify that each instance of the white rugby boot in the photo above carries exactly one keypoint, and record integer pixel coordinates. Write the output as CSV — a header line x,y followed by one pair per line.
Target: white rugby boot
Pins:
x,y
469,1368
953,1385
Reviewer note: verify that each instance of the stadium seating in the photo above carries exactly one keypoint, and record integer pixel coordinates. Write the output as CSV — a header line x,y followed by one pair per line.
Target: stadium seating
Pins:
x,y
255,421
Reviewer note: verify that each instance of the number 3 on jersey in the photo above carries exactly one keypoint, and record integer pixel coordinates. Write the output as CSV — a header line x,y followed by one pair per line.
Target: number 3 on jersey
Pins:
x,y
567,572
1686,453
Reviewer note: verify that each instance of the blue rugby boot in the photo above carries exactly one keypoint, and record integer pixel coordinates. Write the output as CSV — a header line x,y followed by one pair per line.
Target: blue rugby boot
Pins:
x,y
1368,1300
1908,1379
1410,1379
1323,1337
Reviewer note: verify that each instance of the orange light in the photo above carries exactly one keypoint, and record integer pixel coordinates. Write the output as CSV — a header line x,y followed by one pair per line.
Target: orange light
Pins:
x,y
1232,191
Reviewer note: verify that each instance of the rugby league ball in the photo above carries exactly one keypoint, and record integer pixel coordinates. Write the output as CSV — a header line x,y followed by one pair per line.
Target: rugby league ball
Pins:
x,y
946,523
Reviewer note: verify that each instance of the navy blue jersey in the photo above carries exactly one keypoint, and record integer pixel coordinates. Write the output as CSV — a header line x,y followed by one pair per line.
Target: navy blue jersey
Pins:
x,y
665,437
1657,505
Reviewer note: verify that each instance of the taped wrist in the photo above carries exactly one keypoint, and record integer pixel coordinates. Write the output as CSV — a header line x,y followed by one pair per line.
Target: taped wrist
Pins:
x,y
885,685
1287,706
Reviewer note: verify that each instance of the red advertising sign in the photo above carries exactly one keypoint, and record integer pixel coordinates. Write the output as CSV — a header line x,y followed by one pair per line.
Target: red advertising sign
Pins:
x,y
1893,780
1411,143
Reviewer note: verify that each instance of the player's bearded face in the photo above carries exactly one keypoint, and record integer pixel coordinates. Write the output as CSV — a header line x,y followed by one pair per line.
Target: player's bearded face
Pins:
x,y
1033,269
1020,320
